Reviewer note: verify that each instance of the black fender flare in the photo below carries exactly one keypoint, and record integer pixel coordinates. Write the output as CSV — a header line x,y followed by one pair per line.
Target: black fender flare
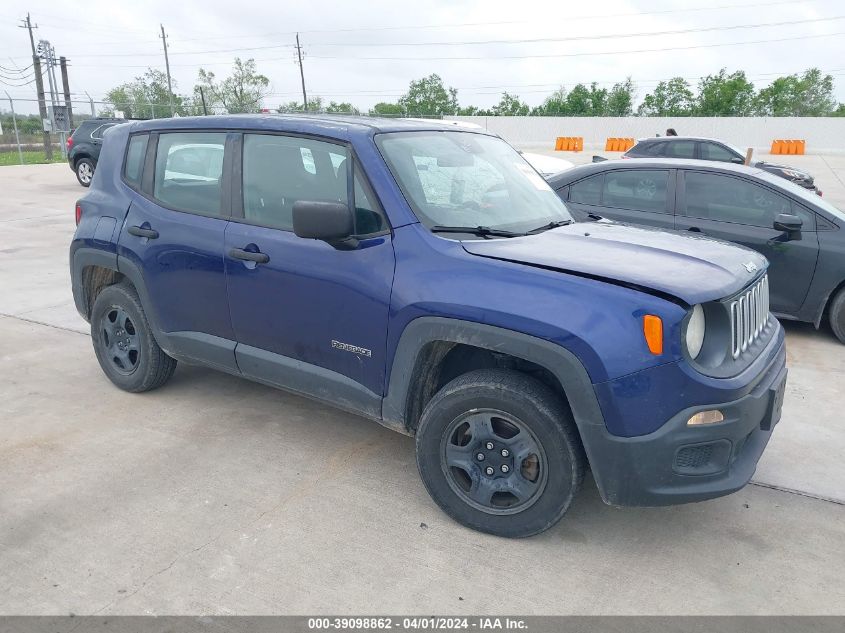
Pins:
x,y
561,362
82,258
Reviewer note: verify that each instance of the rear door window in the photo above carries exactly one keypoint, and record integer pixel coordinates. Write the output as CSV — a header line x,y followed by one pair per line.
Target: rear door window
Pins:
x,y
637,189
680,149
189,171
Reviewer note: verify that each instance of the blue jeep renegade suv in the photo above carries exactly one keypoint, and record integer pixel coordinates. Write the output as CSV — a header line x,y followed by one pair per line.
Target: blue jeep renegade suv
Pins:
x,y
428,278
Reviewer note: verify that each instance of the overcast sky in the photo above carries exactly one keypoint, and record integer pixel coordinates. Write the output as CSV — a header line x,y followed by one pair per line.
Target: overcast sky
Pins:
x,y
365,52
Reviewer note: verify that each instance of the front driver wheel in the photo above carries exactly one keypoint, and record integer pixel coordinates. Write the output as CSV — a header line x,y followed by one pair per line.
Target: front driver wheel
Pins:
x,y
498,451
84,171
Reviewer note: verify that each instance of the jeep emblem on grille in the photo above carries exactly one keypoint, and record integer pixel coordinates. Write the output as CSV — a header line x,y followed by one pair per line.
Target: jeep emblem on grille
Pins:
x,y
751,267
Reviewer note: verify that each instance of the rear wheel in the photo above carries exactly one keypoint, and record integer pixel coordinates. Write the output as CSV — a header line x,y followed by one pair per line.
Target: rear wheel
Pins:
x,y
837,315
498,452
84,171
124,342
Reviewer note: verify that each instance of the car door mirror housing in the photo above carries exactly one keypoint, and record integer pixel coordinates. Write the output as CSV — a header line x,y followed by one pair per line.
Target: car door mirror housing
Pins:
x,y
319,220
737,160
790,224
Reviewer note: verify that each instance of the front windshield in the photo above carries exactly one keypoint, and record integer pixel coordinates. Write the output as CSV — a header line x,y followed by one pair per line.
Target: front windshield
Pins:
x,y
463,179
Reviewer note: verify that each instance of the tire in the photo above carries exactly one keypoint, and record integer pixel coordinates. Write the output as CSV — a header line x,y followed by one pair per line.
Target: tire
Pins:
x,y
545,460
124,344
837,315
84,170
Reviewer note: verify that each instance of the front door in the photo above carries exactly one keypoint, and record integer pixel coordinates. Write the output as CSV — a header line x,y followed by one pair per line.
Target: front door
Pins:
x,y
301,307
741,211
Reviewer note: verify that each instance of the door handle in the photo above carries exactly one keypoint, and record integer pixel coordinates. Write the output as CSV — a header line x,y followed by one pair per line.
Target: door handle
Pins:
x,y
142,232
249,256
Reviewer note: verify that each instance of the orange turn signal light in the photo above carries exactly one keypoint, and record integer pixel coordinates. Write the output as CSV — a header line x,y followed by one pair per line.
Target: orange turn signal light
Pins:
x,y
653,332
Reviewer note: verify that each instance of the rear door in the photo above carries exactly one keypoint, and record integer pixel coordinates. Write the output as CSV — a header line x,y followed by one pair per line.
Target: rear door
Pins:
x,y
634,196
742,211
307,308
173,233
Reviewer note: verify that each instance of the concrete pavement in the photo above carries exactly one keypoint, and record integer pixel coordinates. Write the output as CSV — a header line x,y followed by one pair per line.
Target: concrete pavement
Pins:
x,y
215,495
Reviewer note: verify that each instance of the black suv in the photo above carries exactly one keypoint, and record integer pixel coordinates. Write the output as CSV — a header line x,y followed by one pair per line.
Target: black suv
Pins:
x,y
83,147
690,147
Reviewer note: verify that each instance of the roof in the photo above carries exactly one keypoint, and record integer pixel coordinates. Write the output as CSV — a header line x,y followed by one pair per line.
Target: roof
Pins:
x,y
680,138
331,124
581,171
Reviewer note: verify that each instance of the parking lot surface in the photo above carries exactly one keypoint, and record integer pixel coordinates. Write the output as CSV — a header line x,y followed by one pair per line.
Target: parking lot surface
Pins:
x,y
215,495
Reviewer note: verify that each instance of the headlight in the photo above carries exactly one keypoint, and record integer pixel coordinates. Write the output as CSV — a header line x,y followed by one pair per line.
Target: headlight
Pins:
x,y
694,337
794,174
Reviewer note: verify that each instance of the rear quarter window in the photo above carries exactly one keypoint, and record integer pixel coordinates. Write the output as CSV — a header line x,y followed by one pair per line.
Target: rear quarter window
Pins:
x,y
133,167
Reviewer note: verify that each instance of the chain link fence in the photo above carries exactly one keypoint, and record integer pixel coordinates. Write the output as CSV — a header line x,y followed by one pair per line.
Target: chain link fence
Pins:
x,y
27,139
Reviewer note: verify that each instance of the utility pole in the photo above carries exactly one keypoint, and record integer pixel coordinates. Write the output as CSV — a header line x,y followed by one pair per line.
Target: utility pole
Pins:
x,y
49,54
66,90
167,66
15,125
39,87
202,98
301,74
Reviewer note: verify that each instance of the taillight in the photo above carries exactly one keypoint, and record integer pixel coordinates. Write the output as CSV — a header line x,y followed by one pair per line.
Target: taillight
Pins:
x,y
78,213
69,142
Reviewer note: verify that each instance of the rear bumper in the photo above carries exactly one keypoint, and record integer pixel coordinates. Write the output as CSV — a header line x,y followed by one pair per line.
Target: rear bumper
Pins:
x,y
679,464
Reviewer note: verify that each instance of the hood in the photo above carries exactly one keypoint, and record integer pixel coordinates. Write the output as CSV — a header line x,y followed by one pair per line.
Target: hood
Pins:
x,y
690,267
775,166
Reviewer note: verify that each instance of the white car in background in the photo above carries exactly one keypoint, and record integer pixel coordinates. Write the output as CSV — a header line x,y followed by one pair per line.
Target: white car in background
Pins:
x,y
547,165
543,163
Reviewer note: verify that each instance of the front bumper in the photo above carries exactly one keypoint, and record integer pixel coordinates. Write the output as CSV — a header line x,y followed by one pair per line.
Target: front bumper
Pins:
x,y
680,464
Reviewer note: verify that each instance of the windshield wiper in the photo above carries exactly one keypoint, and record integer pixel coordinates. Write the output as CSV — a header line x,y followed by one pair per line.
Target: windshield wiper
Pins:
x,y
482,231
551,225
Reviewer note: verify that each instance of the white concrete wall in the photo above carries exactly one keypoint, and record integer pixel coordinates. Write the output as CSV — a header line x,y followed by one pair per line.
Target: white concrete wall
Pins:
x,y
823,134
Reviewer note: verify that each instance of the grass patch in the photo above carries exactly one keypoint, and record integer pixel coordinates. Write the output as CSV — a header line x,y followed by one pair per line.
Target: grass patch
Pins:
x,y
30,157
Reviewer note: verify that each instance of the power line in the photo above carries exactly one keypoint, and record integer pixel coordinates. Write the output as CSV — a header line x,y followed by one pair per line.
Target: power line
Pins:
x,y
558,55
416,27
579,38
705,29
487,57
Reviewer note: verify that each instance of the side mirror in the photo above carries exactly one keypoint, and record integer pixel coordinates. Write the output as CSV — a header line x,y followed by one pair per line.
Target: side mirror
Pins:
x,y
327,221
736,160
790,224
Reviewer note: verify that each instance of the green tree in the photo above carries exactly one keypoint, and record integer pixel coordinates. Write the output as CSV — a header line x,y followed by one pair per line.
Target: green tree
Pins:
x,y
242,91
315,104
429,97
620,100
553,105
510,105
579,101
386,109
810,94
147,97
341,108
725,95
670,98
